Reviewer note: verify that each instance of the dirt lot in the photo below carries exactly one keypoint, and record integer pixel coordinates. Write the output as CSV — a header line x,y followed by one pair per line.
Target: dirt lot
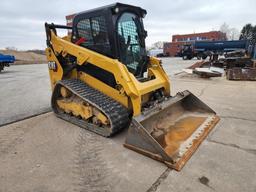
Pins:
x,y
25,57
45,153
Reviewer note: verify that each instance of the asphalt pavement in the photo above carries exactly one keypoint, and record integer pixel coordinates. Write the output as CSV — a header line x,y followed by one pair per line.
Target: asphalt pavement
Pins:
x,y
24,91
44,153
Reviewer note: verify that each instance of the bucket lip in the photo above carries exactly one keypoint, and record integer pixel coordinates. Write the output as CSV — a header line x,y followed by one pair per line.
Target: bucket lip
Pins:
x,y
179,163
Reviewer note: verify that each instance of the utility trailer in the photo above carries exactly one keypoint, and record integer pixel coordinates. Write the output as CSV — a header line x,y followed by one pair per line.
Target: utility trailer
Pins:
x,y
5,61
203,49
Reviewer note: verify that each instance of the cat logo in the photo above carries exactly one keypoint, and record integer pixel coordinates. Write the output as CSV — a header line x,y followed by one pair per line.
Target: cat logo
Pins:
x,y
52,65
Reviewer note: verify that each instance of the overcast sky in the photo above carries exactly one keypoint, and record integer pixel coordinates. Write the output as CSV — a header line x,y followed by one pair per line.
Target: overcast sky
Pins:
x,y
22,21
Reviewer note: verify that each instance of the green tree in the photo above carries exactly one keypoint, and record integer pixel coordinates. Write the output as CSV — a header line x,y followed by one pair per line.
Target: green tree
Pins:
x,y
249,32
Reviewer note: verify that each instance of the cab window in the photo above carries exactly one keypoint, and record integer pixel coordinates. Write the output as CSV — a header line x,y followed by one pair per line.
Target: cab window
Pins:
x,y
94,33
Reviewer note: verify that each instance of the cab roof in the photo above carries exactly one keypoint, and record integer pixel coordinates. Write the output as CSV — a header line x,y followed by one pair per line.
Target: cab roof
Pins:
x,y
112,7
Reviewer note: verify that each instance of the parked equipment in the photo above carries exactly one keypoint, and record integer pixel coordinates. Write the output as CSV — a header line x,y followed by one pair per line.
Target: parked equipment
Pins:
x,y
236,66
5,61
102,80
203,49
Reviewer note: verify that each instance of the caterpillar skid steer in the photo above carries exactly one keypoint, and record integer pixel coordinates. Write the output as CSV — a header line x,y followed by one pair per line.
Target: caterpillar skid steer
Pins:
x,y
103,80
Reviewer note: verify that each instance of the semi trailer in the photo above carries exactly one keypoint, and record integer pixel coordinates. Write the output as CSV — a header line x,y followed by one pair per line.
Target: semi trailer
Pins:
x,y
202,49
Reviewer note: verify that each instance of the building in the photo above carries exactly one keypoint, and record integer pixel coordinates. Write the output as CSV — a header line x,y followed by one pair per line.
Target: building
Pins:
x,y
69,20
174,47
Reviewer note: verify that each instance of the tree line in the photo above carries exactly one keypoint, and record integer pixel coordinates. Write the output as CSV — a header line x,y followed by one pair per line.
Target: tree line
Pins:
x,y
249,33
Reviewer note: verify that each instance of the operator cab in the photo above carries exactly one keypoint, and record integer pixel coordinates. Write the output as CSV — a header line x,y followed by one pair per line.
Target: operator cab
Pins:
x,y
116,31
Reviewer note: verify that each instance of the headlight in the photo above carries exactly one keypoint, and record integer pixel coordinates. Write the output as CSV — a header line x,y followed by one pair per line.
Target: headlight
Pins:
x,y
116,10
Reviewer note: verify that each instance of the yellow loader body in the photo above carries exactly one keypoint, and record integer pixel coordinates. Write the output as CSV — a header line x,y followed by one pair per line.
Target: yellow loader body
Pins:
x,y
164,127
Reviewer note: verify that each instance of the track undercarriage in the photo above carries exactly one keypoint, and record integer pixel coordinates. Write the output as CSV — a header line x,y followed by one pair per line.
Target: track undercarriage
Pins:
x,y
75,101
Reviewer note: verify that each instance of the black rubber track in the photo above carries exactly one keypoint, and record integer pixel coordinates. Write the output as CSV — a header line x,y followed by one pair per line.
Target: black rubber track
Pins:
x,y
115,112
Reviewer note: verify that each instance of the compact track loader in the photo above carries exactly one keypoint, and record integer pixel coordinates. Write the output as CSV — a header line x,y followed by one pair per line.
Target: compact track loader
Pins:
x,y
103,80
